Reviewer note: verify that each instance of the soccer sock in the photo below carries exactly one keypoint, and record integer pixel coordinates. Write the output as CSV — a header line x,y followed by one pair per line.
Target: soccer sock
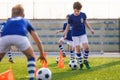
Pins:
x,y
31,67
79,58
62,49
10,55
86,55
72,55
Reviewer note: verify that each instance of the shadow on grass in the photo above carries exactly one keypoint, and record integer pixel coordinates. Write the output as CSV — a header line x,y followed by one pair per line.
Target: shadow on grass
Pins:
x,y
71,73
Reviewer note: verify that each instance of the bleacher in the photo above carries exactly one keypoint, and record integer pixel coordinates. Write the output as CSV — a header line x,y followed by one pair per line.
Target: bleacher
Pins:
x,y
106,37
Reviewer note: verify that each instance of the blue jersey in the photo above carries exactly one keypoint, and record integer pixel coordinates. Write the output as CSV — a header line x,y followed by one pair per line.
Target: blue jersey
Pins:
x,y
17,26
69,35
1,27
78,24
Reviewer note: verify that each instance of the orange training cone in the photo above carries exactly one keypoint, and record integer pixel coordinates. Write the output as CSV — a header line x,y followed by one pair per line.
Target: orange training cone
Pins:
x,y
61,60
44,64
7,75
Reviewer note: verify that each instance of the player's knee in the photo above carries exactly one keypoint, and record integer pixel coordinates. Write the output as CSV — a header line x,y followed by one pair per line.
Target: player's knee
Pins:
x,y
60,42
78,50
86,48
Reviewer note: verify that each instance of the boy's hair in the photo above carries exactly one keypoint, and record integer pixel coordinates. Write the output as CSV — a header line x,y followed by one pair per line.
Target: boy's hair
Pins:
x,y
17,10
77,5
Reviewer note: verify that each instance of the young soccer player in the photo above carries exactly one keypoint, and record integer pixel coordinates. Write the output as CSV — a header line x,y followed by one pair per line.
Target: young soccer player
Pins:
x,y
78,21
9,52
67,40
15,33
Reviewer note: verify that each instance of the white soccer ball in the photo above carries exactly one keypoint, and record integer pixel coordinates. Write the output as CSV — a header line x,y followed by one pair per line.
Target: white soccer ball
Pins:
x,y
73,64
43,74
57,59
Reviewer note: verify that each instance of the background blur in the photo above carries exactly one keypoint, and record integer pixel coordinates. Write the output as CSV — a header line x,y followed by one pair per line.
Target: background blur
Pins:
x,y
57,9
48,16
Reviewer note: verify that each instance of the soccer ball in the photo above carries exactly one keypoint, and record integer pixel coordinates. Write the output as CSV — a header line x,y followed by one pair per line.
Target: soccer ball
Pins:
x,y
43,74
57,59
73,64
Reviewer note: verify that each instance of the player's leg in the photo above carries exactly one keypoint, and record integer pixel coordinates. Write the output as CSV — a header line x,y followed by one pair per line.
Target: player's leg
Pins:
x,y
72,55
86,50
31,62
71,49
76,41
60,42
10,56
25,46
4,47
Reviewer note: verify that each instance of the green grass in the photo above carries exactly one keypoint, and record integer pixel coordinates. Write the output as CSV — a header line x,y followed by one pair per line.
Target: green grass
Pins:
x,y
101,69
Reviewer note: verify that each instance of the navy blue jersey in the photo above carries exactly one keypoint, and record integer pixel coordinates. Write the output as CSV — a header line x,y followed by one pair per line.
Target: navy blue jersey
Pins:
x,y
78,24
17,26
1,27
69,35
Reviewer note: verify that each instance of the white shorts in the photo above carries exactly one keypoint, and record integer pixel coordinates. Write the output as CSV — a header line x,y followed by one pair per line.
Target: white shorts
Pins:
x,y
79,40
21,42
67,41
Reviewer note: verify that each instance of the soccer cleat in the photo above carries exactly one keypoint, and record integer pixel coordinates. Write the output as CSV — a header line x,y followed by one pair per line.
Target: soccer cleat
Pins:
x,y
87,64
81,67
11,61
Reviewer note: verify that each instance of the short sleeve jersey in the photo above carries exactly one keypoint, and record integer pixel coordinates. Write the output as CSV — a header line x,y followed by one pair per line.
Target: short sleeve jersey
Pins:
x,y
17,26
78,24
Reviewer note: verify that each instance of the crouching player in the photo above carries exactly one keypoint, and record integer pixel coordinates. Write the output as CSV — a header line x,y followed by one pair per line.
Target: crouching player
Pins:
x,y
15,33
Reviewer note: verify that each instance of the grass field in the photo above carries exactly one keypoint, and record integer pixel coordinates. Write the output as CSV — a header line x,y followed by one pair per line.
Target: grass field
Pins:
x,y
101,69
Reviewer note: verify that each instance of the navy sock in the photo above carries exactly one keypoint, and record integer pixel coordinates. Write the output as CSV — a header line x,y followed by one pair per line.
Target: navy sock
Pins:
x,y
62,49
86,55
79,58
31,67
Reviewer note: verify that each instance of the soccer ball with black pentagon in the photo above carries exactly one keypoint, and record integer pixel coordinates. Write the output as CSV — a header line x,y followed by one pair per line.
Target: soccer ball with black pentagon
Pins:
x,y
57,59
43,74
73,64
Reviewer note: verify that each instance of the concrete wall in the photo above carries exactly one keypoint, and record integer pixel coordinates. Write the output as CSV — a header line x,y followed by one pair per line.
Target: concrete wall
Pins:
x,y
106,35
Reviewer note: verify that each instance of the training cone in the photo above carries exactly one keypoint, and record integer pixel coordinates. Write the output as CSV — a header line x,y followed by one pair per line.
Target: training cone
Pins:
x,y
44,64
7,75
61,60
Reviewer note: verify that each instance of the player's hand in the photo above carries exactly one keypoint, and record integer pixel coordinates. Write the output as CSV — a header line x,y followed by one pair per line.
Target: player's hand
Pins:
x,y
92,31
57,32
41,58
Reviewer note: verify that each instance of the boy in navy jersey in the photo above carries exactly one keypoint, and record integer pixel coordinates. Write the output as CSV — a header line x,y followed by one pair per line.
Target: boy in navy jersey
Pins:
x,y
15,33
78,21
68,40
9,52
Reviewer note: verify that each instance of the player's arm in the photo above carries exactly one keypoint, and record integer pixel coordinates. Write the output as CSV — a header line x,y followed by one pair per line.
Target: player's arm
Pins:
x,y
34,35
59,31
66,30
89,27
39,44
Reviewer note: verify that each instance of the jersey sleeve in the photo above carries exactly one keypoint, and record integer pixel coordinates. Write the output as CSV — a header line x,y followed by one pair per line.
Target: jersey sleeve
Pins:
x,y
29,27
85,16
64,26
70,20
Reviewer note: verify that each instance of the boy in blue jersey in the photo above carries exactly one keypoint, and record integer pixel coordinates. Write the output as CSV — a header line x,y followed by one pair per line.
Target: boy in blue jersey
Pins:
x,y
15,33
9,52
79,23
68,40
